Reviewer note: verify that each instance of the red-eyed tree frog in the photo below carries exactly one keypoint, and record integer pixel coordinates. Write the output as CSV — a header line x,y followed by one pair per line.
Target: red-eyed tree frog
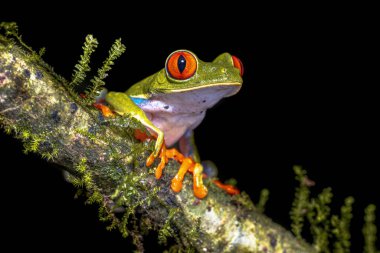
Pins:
x,y
173,102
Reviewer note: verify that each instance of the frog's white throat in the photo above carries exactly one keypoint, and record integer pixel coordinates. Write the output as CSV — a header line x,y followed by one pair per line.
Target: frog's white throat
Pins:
x,y
189,100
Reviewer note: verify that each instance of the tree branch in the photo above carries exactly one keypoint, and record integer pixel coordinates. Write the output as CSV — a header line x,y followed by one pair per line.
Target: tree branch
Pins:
x,y
102,155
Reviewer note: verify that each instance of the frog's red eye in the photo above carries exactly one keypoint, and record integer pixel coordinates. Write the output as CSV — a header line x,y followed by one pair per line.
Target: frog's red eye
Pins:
x,y
181,65
238,64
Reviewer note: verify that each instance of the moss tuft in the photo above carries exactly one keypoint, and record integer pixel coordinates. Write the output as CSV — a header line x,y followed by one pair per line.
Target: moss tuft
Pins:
x,y
341,227
167,230
83,66
115,52
370,230
264,196
300,203
318,217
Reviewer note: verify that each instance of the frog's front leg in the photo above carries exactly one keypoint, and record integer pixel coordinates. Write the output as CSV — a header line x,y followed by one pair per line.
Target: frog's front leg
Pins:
x,y
122,104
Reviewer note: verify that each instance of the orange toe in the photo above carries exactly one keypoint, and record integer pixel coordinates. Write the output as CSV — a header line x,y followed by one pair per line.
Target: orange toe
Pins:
x,y
162,163
150,160
200,191
230,189
176,184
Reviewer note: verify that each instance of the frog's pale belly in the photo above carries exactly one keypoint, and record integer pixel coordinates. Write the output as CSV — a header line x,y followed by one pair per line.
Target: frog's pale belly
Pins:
x,y
174,126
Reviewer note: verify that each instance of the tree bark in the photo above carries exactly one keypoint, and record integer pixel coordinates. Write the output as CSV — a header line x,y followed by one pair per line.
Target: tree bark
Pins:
x,y
38,108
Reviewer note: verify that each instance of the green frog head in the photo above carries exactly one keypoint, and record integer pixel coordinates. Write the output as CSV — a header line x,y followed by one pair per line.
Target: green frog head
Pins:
x,y
185,72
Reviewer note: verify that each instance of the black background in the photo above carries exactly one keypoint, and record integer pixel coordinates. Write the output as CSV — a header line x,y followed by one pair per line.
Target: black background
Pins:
x,y
308,98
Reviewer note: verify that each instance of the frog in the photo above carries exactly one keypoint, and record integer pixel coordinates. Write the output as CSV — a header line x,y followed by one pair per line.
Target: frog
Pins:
x,y
173,102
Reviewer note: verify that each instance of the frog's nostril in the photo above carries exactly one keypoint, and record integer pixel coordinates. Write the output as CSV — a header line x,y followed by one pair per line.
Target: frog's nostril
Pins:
x,y
238,64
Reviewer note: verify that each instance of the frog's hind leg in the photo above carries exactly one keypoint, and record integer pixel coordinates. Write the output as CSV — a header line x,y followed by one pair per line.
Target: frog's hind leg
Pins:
x,y
187,146
209,168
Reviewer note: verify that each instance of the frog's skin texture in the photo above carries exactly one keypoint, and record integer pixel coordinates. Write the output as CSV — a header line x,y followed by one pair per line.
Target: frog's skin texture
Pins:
x,y
173,102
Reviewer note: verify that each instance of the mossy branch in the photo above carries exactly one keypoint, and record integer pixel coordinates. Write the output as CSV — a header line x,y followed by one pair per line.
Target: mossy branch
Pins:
x,y
105,159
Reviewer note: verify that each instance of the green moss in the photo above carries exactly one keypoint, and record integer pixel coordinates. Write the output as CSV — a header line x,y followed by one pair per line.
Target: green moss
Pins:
x,y
178,249
166,230
50,155
323,225
94,196
264,196
128,195
41,52
11,30
92,91
370,230
35,143
83,66
77,182
318,217
341,227
300,203
32,143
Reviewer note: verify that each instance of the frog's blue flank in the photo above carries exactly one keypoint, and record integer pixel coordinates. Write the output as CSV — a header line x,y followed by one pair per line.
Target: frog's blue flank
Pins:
x,y
138,101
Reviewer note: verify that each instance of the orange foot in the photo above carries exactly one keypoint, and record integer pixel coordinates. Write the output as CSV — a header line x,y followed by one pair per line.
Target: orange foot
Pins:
x,y
187,164
106,111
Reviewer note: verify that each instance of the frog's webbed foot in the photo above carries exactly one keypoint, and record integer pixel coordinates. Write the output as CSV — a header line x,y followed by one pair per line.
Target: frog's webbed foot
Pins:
x,y
188,165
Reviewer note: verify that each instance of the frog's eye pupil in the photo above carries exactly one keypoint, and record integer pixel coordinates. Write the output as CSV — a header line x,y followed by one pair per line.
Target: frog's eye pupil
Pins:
x,y
181,63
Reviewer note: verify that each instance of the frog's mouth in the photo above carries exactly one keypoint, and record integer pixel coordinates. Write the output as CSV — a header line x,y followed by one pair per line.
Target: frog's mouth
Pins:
x,y
230,88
